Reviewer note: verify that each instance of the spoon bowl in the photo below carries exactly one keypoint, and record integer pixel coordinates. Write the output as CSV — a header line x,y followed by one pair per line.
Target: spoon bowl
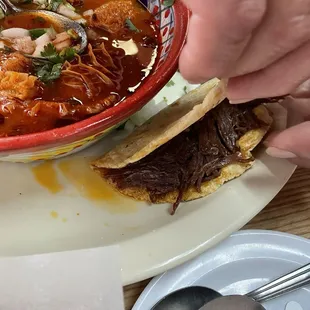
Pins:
x,y
58,20
190,298
236,302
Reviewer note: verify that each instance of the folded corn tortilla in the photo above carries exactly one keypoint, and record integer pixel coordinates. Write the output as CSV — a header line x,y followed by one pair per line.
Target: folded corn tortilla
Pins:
x,y
168,124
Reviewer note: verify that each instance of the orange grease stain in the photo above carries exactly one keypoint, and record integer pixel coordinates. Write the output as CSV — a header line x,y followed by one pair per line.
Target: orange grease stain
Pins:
x,y
88,183
46,175
91,186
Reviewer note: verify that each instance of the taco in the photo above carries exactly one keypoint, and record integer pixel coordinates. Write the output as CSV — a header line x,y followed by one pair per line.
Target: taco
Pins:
x,y
189,149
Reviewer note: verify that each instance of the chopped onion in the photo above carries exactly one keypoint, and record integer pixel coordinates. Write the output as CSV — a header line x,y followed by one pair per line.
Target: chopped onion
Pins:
x,y
51,32
39,49
88,13
41,42
81,21
66,11
41,2
69,6
92,34
15,33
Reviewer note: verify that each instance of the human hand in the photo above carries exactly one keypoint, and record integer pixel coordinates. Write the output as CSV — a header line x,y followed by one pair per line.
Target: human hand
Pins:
x,y
263,46
293,143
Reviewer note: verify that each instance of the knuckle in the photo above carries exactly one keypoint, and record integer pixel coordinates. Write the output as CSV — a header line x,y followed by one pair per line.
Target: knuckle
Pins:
x,y
289,23
246,15
251,12
285,42
298,27
292,32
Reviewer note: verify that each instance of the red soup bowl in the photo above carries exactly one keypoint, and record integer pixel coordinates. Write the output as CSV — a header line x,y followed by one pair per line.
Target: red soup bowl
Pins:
x,y
173,24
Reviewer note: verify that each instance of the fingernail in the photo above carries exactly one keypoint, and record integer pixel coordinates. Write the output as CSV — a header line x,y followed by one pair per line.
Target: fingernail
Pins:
x,y
233,101
278,153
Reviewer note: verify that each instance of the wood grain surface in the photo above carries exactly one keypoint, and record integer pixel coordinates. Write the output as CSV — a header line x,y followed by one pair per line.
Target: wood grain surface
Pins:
x,y
288,212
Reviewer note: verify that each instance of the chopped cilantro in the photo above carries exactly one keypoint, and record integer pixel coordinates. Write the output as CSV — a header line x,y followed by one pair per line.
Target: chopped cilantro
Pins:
x,y
36,33
185,89
168,3
170,83
49,69
47,72
129,24
51,54
67,54
165,99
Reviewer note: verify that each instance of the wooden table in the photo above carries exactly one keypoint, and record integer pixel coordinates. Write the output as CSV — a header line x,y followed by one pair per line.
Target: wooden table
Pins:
x,y
288,212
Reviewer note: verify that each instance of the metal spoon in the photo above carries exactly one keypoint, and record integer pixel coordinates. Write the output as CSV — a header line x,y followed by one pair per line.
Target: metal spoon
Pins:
x,y
283,285
233,303
189,298
61,21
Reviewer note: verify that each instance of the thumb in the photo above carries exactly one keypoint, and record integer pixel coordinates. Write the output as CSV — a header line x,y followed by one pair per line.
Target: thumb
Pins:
x,y
292,143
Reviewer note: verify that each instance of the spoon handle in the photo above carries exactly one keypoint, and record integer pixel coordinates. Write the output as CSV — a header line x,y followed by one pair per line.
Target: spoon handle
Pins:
x,y
8,7
285,284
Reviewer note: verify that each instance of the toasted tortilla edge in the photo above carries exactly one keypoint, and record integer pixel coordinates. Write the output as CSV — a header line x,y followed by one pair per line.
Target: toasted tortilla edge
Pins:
x,y
246,143
164,126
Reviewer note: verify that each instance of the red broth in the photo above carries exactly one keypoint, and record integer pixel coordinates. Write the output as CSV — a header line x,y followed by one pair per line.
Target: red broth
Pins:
x,y
65,101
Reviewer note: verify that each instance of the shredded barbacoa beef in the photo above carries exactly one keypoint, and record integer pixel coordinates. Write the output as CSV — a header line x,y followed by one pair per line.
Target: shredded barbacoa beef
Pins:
x,y
196,155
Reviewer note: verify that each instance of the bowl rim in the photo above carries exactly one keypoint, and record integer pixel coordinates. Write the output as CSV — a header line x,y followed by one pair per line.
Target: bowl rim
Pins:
x,y
118,113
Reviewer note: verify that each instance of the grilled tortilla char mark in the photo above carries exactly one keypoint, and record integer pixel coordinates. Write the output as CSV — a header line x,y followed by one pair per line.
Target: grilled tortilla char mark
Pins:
x,y
194,156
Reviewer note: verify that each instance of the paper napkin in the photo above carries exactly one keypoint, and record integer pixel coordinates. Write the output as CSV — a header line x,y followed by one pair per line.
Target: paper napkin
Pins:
x,y
76,280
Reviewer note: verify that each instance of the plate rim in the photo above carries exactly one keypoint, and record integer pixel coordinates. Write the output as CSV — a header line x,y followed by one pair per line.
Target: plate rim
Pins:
x,y
180,257
150,263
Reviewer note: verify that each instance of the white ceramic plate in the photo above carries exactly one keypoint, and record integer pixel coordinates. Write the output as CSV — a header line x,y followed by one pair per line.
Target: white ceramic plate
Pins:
x,y
240,264
62,205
